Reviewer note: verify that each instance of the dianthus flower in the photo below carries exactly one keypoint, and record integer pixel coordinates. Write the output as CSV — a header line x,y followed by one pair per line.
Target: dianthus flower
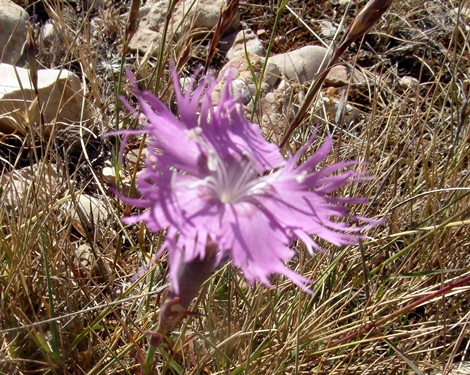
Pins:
x,y
212,179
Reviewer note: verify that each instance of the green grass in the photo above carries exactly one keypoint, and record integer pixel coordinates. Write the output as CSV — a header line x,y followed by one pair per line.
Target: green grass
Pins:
x,y
70,311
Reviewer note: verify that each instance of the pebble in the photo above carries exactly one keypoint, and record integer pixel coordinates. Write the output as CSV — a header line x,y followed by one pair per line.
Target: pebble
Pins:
x,y
302,65
12,31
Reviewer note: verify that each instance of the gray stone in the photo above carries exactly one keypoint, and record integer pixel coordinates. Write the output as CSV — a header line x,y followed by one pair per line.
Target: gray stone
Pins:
x,y
270,97
94,211
241,41
409,83
303,64
195,17
12,31
328,30
60,94
242,77
145,41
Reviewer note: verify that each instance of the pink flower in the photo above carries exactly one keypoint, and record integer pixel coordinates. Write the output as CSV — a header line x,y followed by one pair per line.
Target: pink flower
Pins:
x,y
211,178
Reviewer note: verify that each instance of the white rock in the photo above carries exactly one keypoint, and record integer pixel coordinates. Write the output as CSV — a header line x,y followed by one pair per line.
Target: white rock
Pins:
x,y
60,94
239,42
328,30
242,76
303,64
270,97
12,31
284,86
109,175
189,16
93,211
241,89
409,83
49,33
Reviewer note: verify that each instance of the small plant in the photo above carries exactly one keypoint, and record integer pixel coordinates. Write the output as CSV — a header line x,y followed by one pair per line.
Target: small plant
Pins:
x,y
224,192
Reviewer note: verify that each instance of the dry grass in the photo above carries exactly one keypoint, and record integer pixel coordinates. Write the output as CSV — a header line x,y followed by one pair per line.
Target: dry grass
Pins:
x,y
67,306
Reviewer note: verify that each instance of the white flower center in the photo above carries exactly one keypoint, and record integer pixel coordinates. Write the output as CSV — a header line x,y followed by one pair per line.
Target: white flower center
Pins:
x,y
234,178
231,178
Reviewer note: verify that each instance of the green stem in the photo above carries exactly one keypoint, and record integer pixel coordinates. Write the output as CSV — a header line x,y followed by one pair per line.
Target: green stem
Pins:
x,y
155,340
150,360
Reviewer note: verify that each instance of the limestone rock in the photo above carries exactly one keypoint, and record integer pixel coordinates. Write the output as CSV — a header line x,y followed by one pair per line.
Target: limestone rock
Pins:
x,y
145,40
341,75
235,44
328,30
12,31
409,83
50,34
88,212
243,84
109,175
303,64
276,110
60,94
205,14
189,17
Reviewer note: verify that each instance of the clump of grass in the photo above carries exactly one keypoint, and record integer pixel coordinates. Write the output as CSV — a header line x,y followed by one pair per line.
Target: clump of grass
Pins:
x,y
60,315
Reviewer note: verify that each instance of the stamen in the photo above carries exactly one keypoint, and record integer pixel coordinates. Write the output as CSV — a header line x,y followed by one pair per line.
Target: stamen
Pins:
x,y
212,161
193,134
230,178
301,177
